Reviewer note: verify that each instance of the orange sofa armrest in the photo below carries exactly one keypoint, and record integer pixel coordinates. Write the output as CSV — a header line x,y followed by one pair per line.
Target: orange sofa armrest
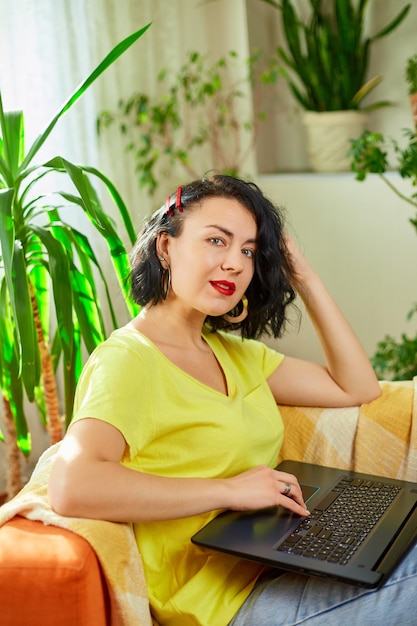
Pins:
x,y
49,576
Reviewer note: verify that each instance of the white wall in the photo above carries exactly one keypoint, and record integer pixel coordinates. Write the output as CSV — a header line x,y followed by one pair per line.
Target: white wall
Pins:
x,y
358,237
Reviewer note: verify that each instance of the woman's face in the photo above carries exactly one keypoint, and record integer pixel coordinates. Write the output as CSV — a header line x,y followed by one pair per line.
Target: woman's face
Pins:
x,y
212,261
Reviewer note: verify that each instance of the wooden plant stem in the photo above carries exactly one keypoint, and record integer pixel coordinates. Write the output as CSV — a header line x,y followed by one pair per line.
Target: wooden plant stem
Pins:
x,y
13,454
53,417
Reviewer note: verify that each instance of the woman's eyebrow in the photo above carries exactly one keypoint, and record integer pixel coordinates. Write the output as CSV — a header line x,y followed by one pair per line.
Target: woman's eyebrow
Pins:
x,y
228,233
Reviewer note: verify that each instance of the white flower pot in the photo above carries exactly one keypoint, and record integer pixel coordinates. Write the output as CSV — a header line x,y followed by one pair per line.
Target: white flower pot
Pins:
x,y
328,134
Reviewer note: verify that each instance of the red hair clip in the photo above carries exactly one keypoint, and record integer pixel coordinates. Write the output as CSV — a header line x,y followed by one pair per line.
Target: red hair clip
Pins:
x,y
168,210
178,205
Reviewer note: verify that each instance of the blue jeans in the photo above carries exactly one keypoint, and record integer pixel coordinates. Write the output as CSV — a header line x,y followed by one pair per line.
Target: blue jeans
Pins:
x,y
290,599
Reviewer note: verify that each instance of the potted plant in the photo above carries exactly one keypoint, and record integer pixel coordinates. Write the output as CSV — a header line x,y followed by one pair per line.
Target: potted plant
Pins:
x,y
369,154
50,307
199,106
326,62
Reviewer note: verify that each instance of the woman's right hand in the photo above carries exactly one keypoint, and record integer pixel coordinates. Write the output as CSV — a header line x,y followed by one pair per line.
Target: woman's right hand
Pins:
x,y
262,487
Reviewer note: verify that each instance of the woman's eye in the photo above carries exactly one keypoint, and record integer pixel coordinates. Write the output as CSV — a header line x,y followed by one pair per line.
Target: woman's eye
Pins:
x,y
249,253
216,241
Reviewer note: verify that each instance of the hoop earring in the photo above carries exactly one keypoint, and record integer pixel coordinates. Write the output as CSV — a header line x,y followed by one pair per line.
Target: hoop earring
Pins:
x,y
236,319
165,281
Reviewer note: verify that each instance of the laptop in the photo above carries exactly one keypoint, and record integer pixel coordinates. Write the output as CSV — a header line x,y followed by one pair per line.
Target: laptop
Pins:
x,y
360,527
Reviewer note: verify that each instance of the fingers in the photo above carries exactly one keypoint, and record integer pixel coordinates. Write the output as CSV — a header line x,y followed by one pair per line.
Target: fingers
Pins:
x,y
301,268
262,487
290,489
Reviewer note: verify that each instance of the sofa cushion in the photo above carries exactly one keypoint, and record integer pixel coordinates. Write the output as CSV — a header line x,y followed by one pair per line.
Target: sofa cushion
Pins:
x,y
49,576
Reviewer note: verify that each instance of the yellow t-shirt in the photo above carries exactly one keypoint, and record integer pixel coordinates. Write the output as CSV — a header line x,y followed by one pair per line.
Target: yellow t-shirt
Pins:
x,y
175,425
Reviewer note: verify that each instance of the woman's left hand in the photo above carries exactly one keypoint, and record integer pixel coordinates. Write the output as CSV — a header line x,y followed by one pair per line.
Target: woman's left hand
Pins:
x,y
348,378
301,268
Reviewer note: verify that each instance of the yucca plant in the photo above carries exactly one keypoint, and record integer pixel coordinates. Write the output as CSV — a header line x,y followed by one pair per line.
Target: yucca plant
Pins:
x,y
50,308
327,57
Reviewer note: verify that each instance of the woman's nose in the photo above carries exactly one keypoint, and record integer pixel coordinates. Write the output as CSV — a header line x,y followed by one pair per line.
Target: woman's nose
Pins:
x,y
233,260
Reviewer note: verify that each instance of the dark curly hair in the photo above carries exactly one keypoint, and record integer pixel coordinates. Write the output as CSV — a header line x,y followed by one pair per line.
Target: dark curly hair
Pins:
x,y
269,292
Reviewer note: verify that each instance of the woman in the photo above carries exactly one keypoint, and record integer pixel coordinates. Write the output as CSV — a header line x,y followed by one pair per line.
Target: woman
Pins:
x,y
176,419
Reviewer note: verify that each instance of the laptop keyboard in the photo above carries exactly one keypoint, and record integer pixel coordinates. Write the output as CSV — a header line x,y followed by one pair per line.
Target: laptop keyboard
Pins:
x,y
342,521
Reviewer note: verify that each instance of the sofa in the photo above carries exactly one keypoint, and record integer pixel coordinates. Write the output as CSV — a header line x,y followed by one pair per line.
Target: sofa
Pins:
x,y
71,572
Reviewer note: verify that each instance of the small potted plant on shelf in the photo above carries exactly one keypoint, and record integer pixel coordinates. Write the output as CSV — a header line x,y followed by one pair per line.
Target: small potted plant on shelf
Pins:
x,y
369,155
201,109
51,310
326,62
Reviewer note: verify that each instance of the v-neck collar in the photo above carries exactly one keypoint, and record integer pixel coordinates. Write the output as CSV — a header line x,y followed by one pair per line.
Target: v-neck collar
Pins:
x,y
218,350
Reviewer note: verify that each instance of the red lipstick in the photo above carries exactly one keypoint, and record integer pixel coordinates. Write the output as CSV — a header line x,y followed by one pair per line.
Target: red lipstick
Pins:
x,y
224,287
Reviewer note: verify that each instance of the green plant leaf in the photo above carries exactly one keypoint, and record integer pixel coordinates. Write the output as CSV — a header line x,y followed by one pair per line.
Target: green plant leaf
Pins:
x,y
15,277
393,24
72,375
5,166
88,312
376,105
24,322
105,63
7,233
367,155
73,238
365,89
11,382
12,130
411,74
59,163
60,275
90,203
39,279
396,360
118,200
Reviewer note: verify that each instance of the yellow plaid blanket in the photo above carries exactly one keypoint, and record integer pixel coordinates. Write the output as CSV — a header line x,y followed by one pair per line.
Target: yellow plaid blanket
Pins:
x,y
379,437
